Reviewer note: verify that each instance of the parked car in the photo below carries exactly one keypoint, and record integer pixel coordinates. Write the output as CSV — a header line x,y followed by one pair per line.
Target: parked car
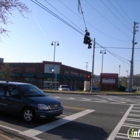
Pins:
x,y
28,101
96,89
127,89
64,87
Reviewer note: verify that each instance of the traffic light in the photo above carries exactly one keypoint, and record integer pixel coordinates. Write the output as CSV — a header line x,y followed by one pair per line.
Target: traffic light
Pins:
x,y
86,37
89,76
89,44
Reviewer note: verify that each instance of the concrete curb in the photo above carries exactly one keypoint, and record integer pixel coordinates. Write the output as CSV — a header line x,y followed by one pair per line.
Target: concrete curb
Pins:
x,y
93,93
8,134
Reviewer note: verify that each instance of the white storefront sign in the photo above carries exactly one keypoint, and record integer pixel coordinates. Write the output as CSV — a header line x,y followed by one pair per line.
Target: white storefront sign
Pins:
x,y
108,81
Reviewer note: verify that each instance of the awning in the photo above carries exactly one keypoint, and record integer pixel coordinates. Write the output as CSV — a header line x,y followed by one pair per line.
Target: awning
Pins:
x,y
45,75
28,75
81,78
74,78
78,78
16,74
60,76
68,77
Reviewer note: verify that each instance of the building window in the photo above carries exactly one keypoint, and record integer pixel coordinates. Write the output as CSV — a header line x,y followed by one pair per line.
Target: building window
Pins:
x,y
50,69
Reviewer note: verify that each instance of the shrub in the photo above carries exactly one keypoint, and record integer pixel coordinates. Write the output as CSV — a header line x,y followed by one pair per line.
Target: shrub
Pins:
x,y
122,88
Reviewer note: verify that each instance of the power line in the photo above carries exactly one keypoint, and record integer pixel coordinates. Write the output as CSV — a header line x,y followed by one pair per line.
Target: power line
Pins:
x,y
123,11
91,24
107,19
63,15
115,15
115,55
56,16
119,13
118,48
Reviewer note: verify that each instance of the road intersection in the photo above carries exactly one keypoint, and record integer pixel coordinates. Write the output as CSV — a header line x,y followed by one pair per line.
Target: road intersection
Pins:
x,y
86,117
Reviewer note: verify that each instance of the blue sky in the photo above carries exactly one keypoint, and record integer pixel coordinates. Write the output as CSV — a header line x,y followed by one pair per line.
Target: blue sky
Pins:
x,y
110,22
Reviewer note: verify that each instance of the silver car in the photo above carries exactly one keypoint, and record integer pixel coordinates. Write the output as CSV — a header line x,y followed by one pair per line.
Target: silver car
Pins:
x,y
64,88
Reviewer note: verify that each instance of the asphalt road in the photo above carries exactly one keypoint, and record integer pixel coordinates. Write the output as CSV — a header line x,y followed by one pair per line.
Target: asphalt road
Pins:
x,y
85,117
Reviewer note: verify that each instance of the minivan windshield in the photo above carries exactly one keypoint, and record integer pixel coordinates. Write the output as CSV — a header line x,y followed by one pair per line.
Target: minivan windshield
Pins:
x,y
31,91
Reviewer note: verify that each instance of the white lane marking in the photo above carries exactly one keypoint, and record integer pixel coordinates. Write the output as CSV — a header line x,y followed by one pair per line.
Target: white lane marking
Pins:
x,y
113,100
57,97
134,115
133,119
108,100
135,111
117,102
117,99
71,98
131,125
85,99
136,107
101,101
52,125
117,128
122,136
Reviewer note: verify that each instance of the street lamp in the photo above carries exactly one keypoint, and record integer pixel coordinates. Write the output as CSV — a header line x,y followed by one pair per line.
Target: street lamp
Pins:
x,y
102,52
119,75
86,65
54,43
126,78
119,70
126,73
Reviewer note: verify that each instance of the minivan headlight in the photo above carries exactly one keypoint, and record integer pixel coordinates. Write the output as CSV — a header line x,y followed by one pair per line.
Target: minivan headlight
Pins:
x,y
43,107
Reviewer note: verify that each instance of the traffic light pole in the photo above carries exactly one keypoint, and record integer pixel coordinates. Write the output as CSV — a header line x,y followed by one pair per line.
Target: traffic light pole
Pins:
x,y
92,73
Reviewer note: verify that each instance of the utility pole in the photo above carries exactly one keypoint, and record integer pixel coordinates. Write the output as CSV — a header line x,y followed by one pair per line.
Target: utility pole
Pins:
x,y
132,57
92,73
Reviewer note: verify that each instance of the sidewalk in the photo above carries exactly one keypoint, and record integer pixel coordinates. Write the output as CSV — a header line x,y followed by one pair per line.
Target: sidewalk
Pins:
x,y
7,135
3,137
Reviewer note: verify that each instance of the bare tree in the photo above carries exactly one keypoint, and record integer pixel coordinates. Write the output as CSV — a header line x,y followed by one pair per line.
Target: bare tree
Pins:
x,y
6,8
5,72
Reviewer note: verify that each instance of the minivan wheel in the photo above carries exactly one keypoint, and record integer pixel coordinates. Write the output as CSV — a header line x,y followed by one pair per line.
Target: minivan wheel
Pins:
x,y
28,115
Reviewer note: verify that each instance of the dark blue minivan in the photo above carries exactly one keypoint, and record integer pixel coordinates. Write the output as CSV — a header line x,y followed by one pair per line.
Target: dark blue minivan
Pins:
x,y
27,100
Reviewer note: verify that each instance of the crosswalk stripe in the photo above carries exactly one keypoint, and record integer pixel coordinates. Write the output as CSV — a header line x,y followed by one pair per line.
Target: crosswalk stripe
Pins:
x,y
117,128
43,128
102,99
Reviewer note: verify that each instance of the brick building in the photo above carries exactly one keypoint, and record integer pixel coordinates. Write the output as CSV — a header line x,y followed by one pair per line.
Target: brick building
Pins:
x,y
41,74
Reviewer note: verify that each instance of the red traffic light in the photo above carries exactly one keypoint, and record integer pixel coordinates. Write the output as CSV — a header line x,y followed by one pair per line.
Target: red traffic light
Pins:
x,y
89,76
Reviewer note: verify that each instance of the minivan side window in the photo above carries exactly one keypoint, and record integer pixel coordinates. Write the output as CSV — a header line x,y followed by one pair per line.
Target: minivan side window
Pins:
x,y
13,91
